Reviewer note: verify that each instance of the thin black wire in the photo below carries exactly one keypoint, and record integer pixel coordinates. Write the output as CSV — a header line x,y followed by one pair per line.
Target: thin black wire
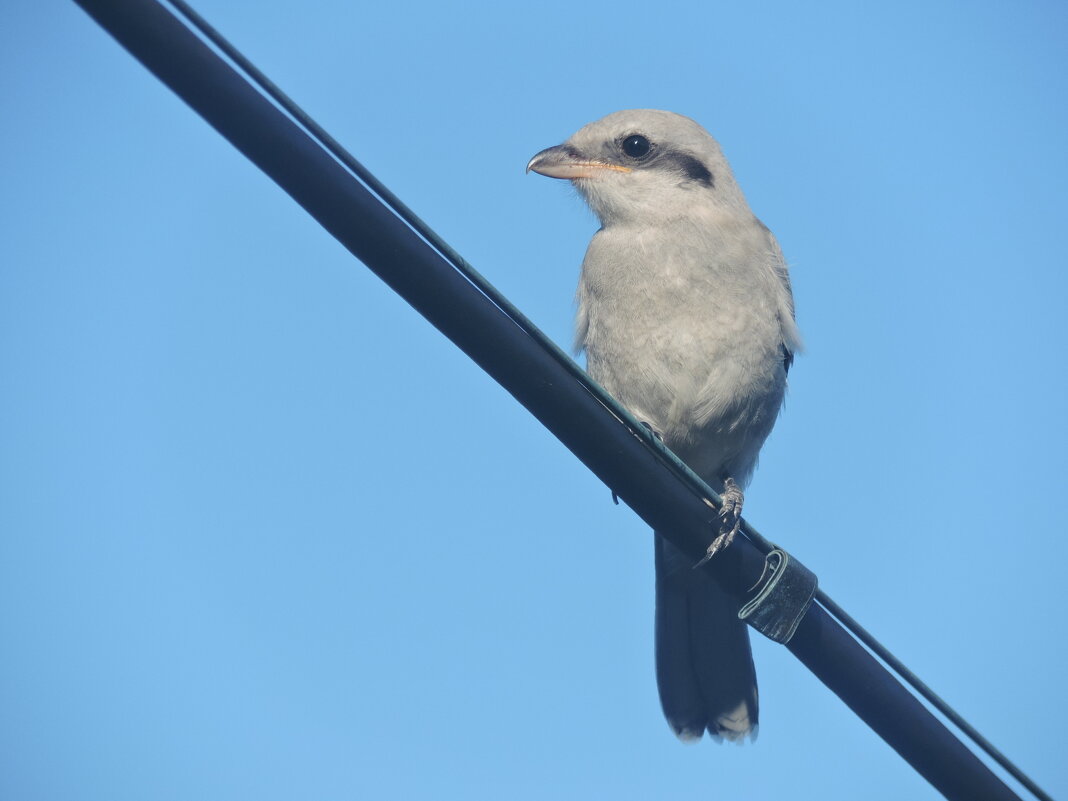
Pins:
x,y
455,259
401,210
916,683
669,459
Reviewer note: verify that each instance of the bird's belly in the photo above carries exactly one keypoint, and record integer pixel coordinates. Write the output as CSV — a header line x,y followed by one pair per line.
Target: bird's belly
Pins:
x,y
710,384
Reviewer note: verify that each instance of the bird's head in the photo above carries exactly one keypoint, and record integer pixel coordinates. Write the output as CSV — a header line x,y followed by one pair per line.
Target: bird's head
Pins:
x,y
644,165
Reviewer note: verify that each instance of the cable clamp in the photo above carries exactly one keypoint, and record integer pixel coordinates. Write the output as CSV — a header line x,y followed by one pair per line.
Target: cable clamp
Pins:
x,y
786,588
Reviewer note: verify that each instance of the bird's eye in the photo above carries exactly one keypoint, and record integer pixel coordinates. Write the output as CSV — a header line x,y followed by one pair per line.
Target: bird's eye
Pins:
x,y
636,146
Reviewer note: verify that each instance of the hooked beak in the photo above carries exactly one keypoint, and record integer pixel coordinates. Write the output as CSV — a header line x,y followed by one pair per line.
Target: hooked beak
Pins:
x,y
563,161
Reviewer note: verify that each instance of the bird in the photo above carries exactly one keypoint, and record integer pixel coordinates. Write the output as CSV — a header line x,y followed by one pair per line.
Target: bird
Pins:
x,y
685,313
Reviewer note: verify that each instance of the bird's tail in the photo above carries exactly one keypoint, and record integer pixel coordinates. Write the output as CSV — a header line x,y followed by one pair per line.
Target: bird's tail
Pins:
x,y
704,664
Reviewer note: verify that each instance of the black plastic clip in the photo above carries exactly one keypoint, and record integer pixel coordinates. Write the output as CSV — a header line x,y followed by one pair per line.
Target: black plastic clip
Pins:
x,y
786,589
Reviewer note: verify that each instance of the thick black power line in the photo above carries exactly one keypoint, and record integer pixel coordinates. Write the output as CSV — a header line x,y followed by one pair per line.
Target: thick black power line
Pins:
x,y
404,212
504,343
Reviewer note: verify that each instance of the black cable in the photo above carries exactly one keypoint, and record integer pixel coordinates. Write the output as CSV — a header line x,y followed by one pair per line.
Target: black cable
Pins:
x,y
936,701
399,207
454,258
484,325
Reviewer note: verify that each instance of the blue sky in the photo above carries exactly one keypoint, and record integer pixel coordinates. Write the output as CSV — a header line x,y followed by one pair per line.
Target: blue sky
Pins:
x,y
264,533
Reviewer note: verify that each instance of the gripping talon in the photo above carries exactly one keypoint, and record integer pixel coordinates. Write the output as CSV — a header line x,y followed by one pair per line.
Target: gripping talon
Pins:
x,y
730,515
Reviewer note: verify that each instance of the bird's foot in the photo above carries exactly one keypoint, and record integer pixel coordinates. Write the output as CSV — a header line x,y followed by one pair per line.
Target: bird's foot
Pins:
x,y
653,431
730,519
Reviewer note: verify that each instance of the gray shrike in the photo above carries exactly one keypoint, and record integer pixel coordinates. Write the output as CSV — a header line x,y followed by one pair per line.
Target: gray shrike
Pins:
x,y
686,316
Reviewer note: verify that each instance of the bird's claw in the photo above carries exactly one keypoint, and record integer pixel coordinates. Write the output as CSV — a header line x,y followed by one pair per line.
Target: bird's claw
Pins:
x,y
730,516
656,434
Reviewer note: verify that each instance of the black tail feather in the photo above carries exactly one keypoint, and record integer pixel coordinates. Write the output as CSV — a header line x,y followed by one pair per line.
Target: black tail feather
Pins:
x,y
704,663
